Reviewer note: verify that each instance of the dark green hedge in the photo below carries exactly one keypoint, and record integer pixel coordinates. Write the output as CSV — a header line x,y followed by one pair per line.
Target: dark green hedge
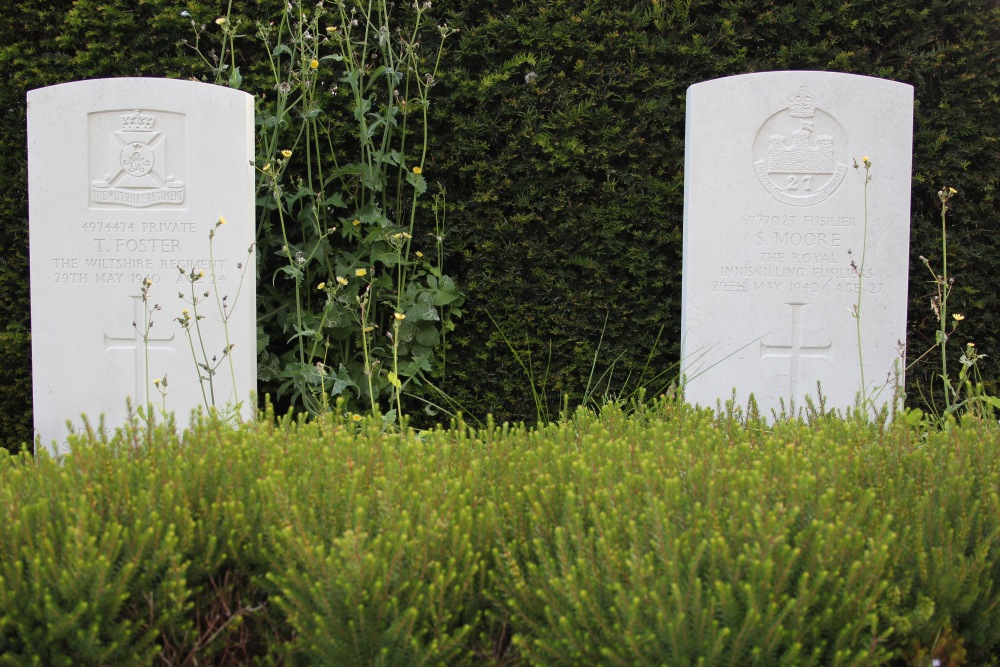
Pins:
x,y
558,137
568,190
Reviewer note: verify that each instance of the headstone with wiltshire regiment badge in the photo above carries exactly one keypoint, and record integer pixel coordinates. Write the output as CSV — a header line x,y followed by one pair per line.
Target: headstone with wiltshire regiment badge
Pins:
x,y
128,178
777,245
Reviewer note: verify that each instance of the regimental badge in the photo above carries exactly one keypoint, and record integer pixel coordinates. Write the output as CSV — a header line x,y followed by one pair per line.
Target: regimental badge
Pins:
x,y
800,153
137,163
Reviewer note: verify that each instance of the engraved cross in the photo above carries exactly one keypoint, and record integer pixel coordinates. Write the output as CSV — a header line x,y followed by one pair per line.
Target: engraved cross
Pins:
x,y
795,351
135,343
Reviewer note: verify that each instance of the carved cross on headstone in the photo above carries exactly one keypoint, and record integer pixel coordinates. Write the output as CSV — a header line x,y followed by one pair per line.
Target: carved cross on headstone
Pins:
x,y
134,342
795,350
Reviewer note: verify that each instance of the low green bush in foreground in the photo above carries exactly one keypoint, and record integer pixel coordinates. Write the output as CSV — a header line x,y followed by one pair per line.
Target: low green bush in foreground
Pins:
x,y
667,537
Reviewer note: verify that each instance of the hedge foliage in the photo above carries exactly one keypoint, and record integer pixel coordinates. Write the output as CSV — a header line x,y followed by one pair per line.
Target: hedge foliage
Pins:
x,y
558,138
569,126
671,536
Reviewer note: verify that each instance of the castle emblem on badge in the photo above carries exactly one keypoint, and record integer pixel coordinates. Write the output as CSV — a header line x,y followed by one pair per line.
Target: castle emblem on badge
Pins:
x,y
799,154
137,166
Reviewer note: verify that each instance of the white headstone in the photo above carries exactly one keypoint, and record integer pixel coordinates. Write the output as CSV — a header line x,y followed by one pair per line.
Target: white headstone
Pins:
x,y
127,179
775,243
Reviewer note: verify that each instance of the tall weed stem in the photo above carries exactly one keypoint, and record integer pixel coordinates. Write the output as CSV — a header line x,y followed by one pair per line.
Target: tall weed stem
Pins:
x,y
859,271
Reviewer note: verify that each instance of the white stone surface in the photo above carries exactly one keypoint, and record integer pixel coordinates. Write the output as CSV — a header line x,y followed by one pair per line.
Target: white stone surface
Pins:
x,y
773,219
126,179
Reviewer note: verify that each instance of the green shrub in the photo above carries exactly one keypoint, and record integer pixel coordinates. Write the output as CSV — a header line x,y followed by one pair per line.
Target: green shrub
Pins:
x,y
688,555
668,537
381,555
84,581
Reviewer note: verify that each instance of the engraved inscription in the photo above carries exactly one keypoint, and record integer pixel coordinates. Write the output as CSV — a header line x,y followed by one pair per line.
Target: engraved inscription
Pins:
x,y
128,252
758,220
799,153
132,163
796,254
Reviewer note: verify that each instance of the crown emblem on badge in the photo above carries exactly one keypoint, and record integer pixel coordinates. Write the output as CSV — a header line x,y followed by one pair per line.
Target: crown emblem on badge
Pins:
x,y
802,104
137,122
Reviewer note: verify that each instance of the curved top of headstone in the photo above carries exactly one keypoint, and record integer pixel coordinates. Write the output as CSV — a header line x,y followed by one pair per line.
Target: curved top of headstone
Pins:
x,y
814,74
137,85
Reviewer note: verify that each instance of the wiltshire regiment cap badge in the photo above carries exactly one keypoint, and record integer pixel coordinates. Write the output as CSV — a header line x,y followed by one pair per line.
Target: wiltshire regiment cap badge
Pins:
x,y
137,166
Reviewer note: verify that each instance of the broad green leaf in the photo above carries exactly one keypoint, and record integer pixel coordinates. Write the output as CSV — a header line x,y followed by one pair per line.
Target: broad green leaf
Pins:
x,y
235,79
341,381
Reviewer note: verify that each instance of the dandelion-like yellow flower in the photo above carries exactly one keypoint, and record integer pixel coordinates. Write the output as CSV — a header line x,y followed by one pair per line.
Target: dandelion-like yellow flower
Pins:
x,y
361,273
321,286
399,317
286,153
220,21
342,280
314,63
958,317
